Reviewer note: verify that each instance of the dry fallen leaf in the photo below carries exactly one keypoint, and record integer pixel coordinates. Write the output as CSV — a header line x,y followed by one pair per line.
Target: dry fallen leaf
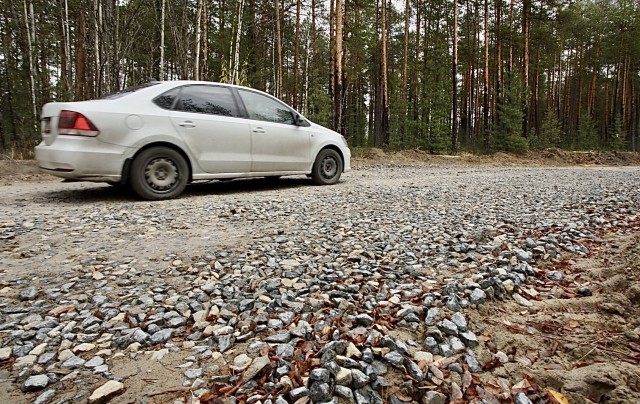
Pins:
x,y
522,386
456,393
557,397
573,324
403,398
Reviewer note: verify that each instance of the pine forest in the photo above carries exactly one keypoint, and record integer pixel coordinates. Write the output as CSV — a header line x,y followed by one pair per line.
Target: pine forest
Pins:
x,y
442,76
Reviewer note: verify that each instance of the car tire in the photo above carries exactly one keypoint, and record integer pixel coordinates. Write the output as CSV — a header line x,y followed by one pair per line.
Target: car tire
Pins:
x,y
327,168
159,173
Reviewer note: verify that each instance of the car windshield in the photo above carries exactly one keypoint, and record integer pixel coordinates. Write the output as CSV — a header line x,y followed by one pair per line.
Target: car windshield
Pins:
x,y
129,90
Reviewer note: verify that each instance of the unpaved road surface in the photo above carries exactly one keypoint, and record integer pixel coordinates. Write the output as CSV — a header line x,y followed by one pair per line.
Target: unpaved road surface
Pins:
x,y
401,283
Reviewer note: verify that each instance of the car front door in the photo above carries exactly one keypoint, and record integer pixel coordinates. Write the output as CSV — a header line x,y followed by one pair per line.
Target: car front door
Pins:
x,y
277,143
207,118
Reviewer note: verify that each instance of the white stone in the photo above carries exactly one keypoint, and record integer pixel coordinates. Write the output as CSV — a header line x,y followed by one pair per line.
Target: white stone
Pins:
x,y
241,362
353,351
65,354
419,356
344,377
5,353
38,350
158,355
86,347
107,390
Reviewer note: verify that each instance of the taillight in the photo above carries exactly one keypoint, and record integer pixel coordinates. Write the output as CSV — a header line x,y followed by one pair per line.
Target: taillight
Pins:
x,y
74,123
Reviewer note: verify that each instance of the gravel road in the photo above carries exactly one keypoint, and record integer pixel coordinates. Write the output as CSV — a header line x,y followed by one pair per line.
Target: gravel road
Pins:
x,y
273,291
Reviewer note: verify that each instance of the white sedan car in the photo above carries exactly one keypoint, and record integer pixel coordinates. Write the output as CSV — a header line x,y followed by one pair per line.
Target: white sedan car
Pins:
x,y
160,136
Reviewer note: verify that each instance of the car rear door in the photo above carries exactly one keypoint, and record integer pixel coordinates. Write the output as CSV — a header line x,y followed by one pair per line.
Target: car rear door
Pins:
x,y
208,119
277,143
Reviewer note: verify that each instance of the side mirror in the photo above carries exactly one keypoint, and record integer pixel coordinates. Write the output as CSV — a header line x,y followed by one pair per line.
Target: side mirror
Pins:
x,y
300,121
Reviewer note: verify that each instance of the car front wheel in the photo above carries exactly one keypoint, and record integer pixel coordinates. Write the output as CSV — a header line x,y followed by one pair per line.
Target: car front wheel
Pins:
x,y
159,173
327,167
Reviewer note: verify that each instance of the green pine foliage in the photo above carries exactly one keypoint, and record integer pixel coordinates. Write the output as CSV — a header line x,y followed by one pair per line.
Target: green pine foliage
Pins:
x,y
587,135
550,133
507,134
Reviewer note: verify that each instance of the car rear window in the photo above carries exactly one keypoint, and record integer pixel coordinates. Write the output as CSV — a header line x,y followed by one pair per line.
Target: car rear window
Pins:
x,y
129,90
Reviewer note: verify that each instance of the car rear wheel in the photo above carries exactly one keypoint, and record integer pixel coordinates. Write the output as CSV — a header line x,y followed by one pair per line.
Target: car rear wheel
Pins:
x,y
159,173
327,167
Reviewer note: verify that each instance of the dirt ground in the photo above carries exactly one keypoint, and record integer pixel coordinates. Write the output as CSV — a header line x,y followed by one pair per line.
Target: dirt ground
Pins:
x,y
27,170
587,346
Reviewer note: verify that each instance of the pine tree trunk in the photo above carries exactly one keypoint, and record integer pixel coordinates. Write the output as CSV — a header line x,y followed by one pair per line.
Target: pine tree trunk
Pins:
x,y
296,57
337,96
162,9
196,62
526,10
486,77
279,51
454,82
81,58
30,30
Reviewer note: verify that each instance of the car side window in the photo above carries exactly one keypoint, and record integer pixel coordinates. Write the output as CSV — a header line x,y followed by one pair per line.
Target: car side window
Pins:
x,y
213,100
166,100
263,108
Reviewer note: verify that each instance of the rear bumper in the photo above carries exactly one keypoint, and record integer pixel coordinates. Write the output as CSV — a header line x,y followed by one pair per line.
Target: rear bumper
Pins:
x,y
82,158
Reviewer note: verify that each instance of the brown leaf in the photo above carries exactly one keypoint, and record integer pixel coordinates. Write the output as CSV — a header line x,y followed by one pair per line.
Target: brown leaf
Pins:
x,y
486,396
403,398
436,372
466,380
573,324
303,400
456,393
522,386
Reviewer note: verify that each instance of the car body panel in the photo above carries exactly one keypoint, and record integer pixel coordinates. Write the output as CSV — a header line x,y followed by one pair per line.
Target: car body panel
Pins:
x,y
226,149
279,147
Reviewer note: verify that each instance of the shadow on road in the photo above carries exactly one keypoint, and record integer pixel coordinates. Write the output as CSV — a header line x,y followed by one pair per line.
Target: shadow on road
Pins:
x,y
104,192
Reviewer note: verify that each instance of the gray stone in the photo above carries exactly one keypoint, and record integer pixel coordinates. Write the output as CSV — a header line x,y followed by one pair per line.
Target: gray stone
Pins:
x,y
395,359
73,363
298,393
35,383
472,361
94,362
413,369
320,392
521,398
358,378
364,319
162,336
193,373
284,351
448,327
432,315
469,338
45,397
29,293
478,296
225,342
344,392
459,320
281,336
434,397
456,345
319,374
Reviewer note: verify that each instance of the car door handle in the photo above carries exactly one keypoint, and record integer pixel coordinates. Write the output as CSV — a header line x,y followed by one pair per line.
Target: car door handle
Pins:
x,y
258,130
187,124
